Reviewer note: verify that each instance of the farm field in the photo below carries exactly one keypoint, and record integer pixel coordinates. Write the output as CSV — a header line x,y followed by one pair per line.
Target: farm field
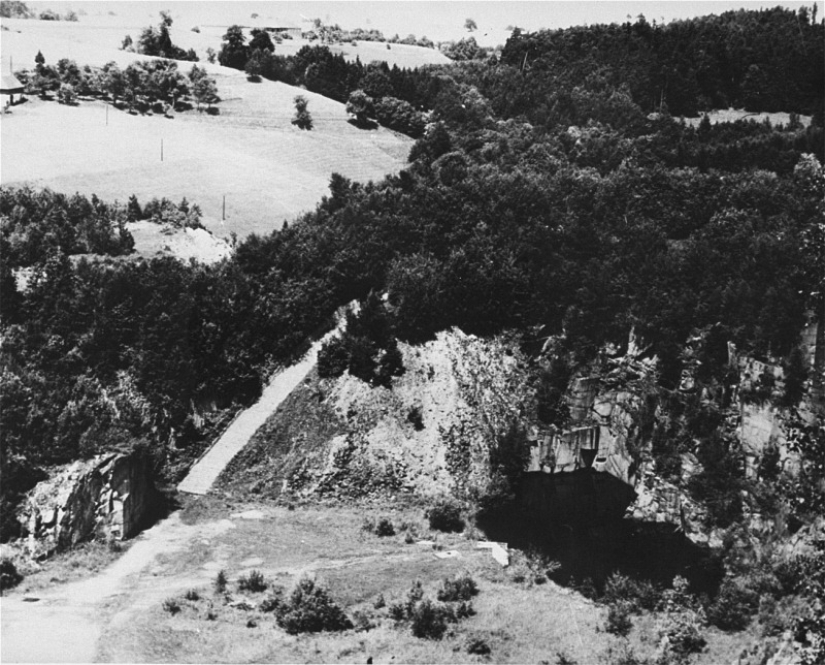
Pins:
x,y
269,170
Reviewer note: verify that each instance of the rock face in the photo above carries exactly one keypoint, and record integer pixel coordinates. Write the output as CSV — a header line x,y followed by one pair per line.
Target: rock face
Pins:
x,y
110,495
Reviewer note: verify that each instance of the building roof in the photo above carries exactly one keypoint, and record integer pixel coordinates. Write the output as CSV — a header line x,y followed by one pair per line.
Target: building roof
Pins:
x,y
10,83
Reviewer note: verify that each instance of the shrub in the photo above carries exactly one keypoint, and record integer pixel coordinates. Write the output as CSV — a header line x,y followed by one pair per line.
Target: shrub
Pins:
x,y
445,516
429,620
310,609
462,587
273,601
464,610
384,528
9,575
220,582
638,594
618,619
171,605
192,595
253,582
734,606
478,646
363,621
682,631
414,417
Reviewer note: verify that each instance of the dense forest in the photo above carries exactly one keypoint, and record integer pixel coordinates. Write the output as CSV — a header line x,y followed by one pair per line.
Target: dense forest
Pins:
x,y
543,197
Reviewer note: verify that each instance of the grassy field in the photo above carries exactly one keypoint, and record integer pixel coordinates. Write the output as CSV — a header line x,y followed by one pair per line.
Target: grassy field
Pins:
x,y
269,170
519,621
732,115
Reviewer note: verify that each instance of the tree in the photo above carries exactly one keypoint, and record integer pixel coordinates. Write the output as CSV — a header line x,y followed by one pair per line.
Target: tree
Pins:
x,y
261,40
67,95
234,52
203,87
39,60
302,119
361,106
470,25
254,66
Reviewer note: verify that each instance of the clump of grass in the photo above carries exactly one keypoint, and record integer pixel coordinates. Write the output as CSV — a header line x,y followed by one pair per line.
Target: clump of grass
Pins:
x,y
478,646
171,605
254,582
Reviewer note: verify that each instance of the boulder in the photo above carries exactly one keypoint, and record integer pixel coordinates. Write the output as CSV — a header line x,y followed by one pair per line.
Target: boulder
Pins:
x,y
108,496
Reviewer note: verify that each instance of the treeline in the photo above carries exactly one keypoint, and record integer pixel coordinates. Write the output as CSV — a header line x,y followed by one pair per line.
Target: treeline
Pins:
x,y
766,60
141,86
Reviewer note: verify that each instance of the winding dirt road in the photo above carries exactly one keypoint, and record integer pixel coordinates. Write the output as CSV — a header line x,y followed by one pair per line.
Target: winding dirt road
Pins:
x,y
64,625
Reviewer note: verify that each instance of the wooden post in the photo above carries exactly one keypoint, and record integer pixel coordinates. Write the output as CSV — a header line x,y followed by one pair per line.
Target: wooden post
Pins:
x,y
223,215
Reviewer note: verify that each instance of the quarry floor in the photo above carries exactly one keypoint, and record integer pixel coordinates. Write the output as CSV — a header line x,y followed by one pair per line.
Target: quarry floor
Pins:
x,y
117,614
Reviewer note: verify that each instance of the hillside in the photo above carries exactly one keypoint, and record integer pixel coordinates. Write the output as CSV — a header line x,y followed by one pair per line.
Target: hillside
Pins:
x,y
579,324
269,170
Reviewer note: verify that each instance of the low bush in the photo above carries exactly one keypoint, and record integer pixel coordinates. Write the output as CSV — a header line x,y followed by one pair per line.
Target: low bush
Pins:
x,y
429,620
478,646
9,575
220,582
384,528
461,587
273,601
192,595
734,606
363,621
682,633
171,605
445,516
638,594
253,582
310,609
618,619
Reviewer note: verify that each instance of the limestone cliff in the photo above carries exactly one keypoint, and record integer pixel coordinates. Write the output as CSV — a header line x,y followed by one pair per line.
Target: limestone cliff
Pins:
x,y
430,434
108,496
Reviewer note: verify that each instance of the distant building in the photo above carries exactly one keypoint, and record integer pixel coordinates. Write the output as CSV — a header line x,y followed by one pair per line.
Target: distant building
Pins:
x,y
9,87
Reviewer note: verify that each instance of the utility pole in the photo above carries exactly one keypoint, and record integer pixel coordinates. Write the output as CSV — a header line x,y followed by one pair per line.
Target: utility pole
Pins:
x,y
161,150
223,214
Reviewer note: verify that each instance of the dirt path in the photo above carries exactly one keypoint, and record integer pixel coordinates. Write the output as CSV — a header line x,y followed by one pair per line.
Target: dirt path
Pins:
x,y
62,625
